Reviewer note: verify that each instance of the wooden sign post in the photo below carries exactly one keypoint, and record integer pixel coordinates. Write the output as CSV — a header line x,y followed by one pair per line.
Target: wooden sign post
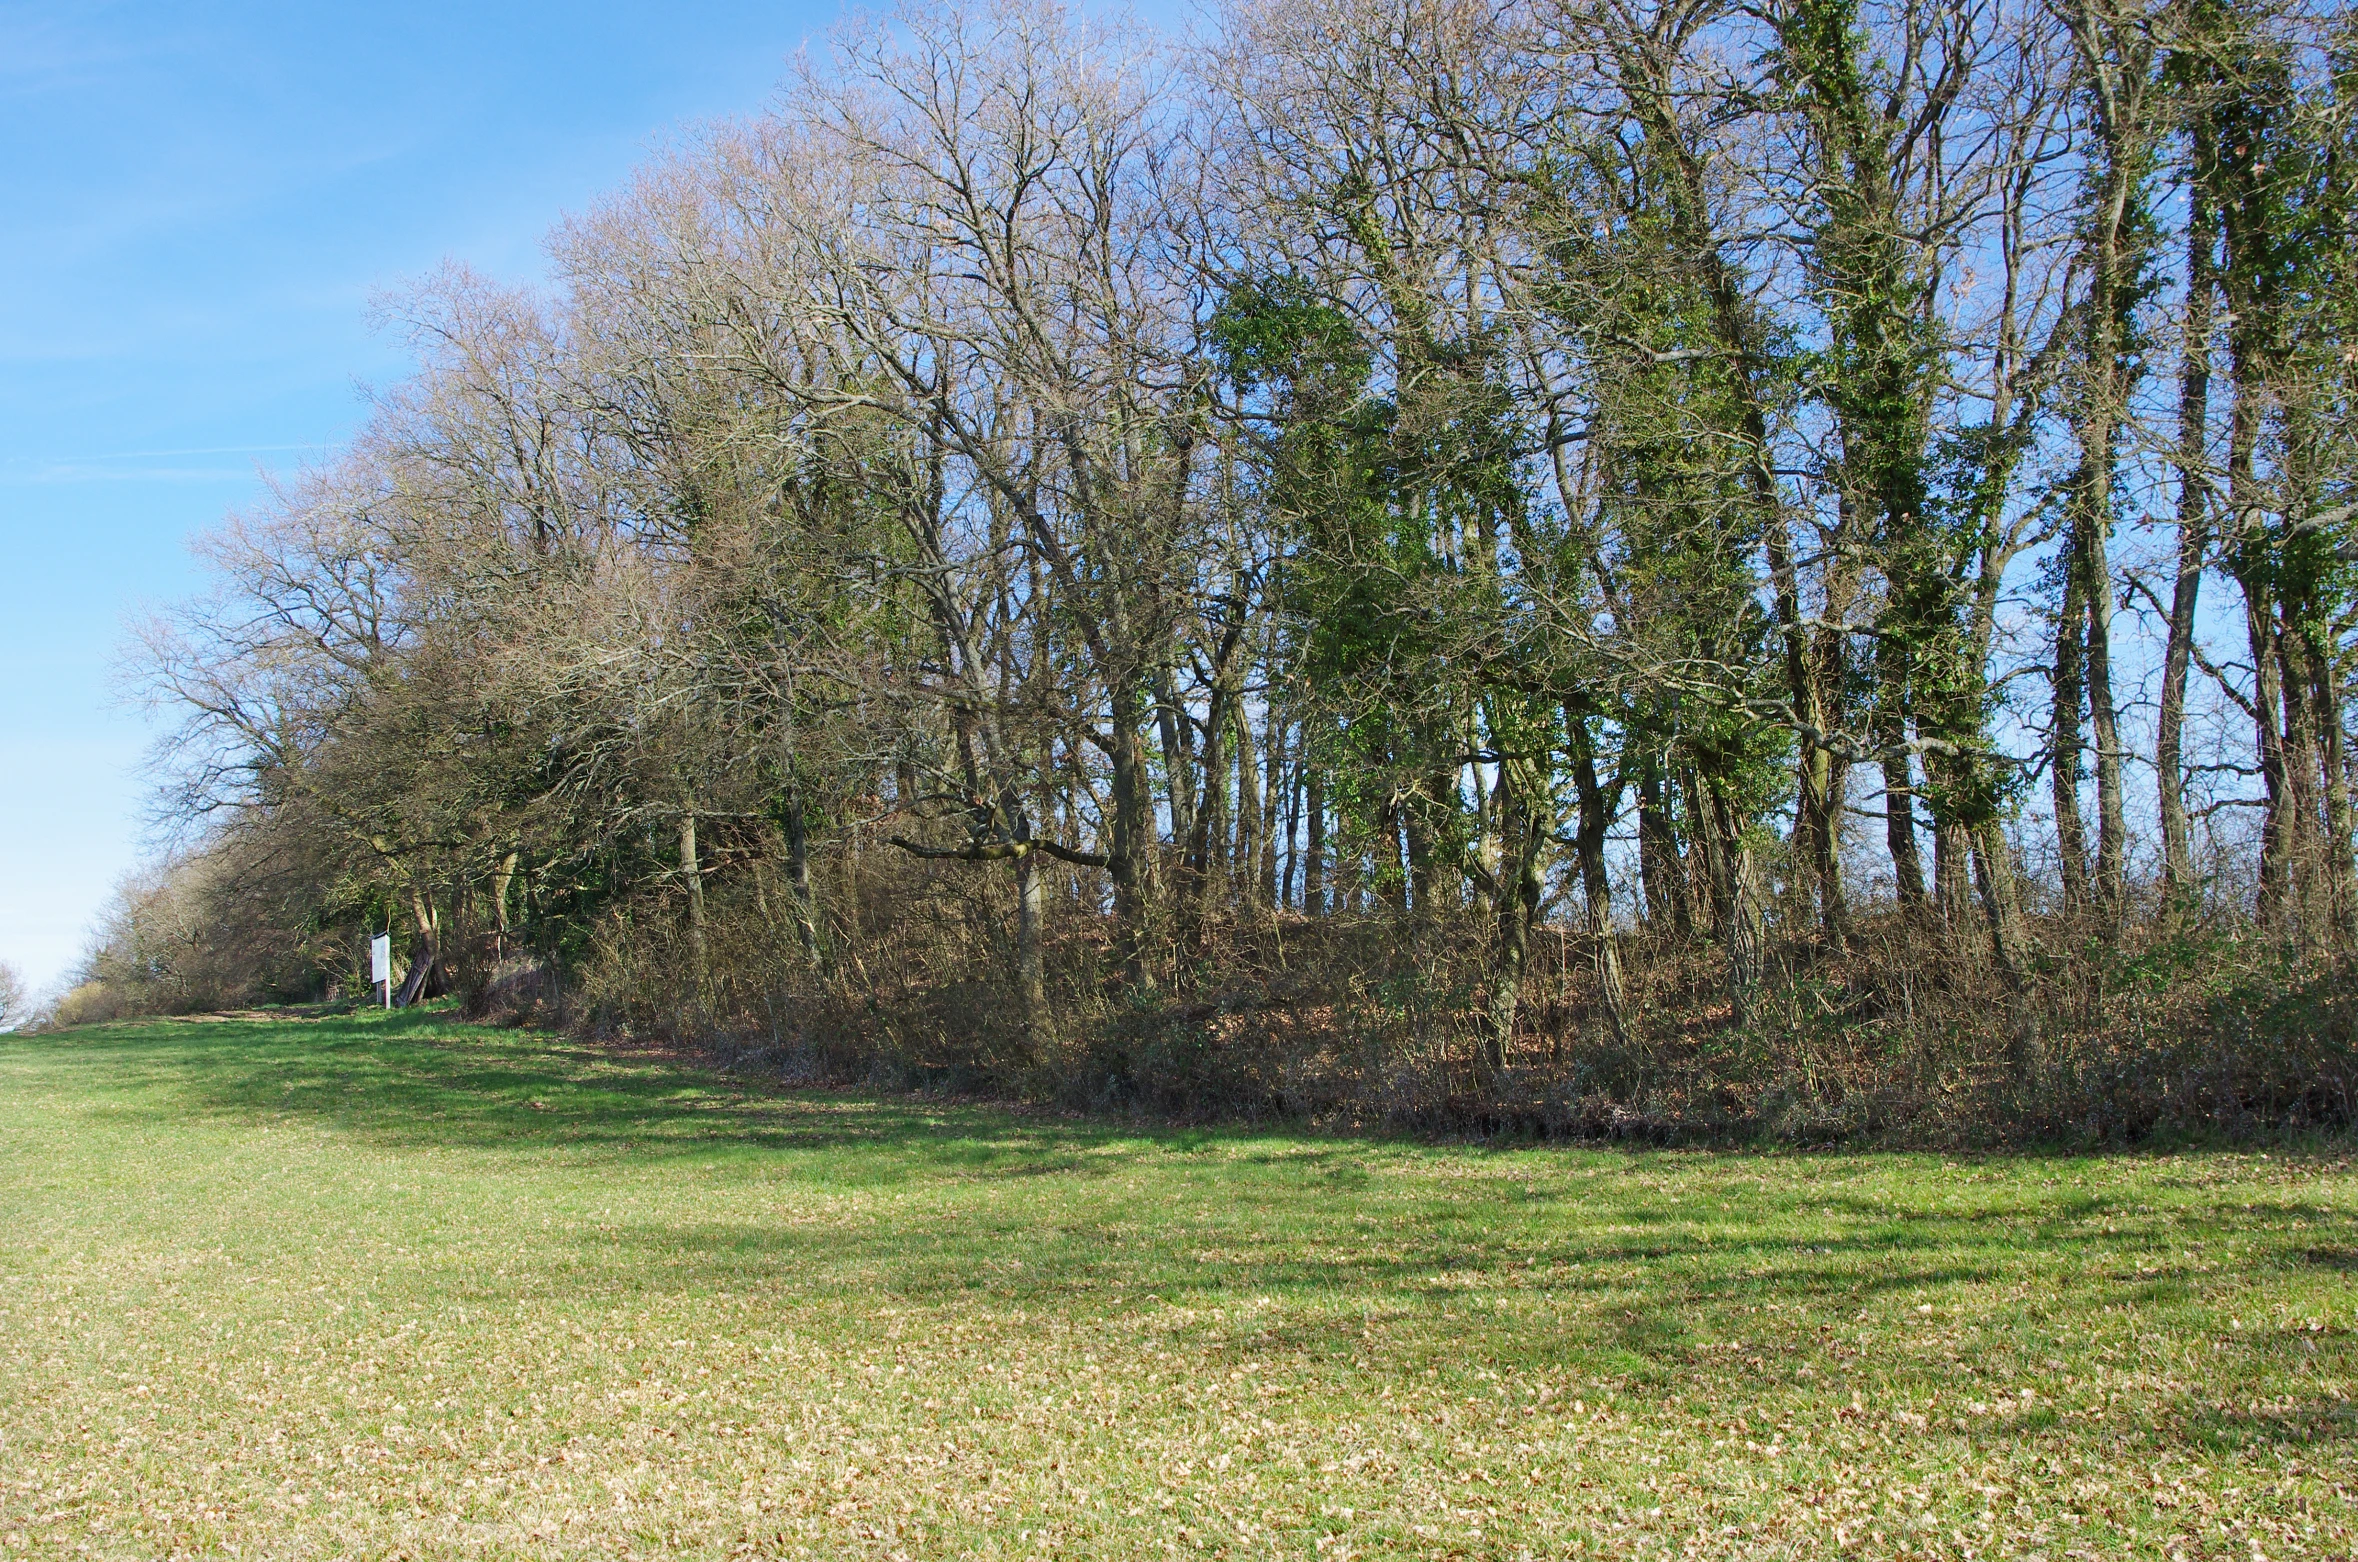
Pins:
x,y
380,964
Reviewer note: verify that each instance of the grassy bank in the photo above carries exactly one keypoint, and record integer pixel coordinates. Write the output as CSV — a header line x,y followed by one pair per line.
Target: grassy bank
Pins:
x,y
394,1287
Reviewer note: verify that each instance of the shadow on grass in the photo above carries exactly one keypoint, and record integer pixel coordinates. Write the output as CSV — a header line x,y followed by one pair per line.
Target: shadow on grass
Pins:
x,y
1638,1276
418,1079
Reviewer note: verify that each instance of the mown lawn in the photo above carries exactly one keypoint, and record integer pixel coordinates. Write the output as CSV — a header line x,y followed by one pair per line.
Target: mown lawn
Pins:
x,y
395,1287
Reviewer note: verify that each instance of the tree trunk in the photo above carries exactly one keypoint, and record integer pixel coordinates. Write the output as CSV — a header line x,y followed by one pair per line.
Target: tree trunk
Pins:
x,y
2248,283
1314,839
2275,907
1176,729
1829,662
1819,825
1248,809
2116,67
1211,806
2001,902
2069,681
798,883
1130,860
1899,787
1402,848
1735,880
1952,876
1031,977
1596,887
1707,864
2112,828
2304,849
503,881
1660,872
1417,837
425,955
1745,944
1899,821
1274,787
1293,820
2340,874
2193,462
2194,415
1523,831
1993,876
692,875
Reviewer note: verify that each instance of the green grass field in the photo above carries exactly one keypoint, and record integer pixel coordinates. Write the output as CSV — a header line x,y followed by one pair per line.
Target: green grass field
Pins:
x,y
394,1287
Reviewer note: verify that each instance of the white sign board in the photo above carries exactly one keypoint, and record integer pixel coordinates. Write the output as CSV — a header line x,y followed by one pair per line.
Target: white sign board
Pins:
x,y
380,958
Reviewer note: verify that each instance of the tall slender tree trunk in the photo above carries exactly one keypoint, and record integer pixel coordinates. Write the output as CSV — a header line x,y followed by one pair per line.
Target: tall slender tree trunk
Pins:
x,y
2112,827
1416,833
1407,862
1660,872
1249,822
802,896
1596,886
2117,80
1899,786
1994,879
1829,671
1818,808
692,875
1899,824
1175,727
2193,462
503,882
1206,853
1952,875
1130,861
1522,831
1740,919
2254,342
1708,869
2340,873
1031,971
1820,826
2275,900
2064,744
1211,808
1272,789
1314,839
2305,849
1289,868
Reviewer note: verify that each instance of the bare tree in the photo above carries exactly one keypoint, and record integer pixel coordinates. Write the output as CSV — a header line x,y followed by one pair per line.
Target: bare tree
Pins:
x,y
15,998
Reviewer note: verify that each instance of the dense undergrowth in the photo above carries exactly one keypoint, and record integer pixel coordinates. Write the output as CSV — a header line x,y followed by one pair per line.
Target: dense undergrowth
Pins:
x,y
2173,1031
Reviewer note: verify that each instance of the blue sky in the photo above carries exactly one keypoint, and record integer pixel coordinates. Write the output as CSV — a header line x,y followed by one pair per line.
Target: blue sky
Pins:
x,y
200,201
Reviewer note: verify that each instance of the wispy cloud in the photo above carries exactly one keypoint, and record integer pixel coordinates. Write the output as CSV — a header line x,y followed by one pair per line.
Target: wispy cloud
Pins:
x,y
201,450
121,466
126,474
41,54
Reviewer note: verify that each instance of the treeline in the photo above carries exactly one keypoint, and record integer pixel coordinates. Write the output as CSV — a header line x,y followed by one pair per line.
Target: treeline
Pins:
x,y
1596,566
